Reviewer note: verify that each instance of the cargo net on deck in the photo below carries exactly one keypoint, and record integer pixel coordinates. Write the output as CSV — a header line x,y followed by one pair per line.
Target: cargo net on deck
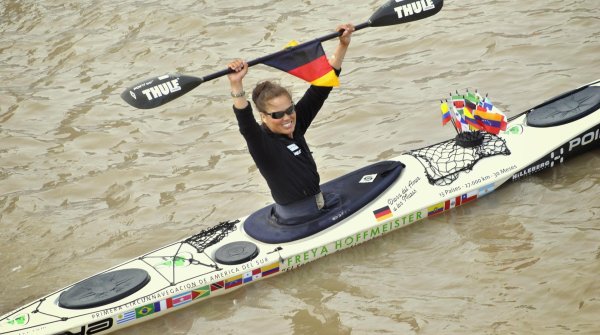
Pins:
x,y
477,122
211,236
444,161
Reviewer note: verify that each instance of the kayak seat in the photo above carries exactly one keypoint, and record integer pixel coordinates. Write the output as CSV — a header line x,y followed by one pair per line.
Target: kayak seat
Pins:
x,y
343,197
565,108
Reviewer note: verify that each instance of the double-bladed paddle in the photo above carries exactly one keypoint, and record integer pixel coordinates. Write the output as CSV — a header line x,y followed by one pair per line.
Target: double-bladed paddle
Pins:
x,y
158,91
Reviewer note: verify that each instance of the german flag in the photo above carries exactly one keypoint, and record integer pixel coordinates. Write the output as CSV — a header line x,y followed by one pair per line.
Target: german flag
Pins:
x,y
307,62
383,213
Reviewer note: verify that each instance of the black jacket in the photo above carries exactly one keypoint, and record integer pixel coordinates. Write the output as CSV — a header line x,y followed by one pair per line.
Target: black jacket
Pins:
x,y
286,164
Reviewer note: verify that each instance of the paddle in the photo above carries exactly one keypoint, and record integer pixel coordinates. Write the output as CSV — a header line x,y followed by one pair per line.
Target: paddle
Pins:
x,y
158,91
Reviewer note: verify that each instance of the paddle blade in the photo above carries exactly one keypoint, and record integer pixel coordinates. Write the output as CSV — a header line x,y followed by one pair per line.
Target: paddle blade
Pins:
x,y
402,11
159,90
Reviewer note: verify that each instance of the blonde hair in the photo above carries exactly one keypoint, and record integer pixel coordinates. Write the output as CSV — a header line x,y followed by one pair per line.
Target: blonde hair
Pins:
x,y
265,91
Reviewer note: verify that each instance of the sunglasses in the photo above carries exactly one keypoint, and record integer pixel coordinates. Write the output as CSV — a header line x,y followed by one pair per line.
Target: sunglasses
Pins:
x,y
278,115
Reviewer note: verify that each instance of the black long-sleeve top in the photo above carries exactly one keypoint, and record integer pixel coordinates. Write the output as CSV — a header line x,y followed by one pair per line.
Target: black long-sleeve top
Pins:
x,y
286,163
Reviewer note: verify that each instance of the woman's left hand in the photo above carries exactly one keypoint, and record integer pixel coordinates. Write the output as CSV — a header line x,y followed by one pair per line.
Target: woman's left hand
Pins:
x,y
348,29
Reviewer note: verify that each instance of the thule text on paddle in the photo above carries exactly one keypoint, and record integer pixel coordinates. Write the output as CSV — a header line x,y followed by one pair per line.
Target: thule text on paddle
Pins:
x,y
412,8
162,89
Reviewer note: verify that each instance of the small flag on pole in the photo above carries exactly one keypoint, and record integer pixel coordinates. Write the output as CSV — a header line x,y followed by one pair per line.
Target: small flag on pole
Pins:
x,y
471,120
446,117
458,101
472,112
487,104
493,123
307,62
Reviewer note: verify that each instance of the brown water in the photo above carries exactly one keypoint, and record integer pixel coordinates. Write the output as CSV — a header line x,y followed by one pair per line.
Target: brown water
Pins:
x,y
87,182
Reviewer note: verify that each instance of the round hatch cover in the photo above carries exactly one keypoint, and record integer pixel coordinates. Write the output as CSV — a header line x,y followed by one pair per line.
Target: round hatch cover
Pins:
x,y
103,289
236,253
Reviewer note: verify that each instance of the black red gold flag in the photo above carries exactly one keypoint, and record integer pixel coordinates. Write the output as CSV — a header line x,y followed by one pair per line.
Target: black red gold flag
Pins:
x,y
307,62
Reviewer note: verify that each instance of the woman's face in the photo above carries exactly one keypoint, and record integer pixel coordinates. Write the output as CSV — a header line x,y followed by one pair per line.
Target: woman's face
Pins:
x,y
284,125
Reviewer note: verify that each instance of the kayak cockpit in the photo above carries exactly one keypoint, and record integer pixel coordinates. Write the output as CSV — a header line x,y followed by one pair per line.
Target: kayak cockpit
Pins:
x,y
344,196
565,108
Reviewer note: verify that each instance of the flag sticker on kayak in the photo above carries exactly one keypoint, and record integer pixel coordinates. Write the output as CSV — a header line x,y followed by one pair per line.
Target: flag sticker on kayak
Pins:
x,y
251,275
181,299
452,203
436,209
125,317
145,311
233,282
469,196
162,305
217,286
200,292
383,213
486,189
270,269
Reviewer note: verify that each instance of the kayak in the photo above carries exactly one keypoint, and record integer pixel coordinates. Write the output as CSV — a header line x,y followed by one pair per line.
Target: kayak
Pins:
x,y
364,204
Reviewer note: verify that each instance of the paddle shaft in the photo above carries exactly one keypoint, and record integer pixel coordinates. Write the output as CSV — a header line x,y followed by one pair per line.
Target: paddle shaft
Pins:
x,y
280,52
158,91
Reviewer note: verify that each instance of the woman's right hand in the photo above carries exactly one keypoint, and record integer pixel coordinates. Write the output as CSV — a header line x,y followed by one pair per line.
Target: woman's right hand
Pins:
x,y
240,67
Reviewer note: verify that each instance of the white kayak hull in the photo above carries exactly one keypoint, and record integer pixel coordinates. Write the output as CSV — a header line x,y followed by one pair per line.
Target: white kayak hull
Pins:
x,y
180,275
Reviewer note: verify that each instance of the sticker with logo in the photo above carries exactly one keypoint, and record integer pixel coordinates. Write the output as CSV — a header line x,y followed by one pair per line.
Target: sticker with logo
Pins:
x,y
412,8
294,149
180,260
514,130
92,328
162,89
19,320
369,178
585,141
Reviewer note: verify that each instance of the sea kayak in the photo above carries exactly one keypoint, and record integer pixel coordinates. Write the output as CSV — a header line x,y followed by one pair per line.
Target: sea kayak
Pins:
x,y
367,203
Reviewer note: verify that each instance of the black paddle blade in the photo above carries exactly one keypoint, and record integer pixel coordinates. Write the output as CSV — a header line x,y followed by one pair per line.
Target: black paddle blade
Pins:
x,y
160,90
402,11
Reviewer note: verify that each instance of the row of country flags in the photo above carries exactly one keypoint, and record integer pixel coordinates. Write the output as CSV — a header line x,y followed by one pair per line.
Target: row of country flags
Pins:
x,y
472,112
197,293
459,200
385,212
251,275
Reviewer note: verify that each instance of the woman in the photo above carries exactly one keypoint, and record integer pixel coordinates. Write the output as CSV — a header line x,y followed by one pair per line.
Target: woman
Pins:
x,y
278,146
